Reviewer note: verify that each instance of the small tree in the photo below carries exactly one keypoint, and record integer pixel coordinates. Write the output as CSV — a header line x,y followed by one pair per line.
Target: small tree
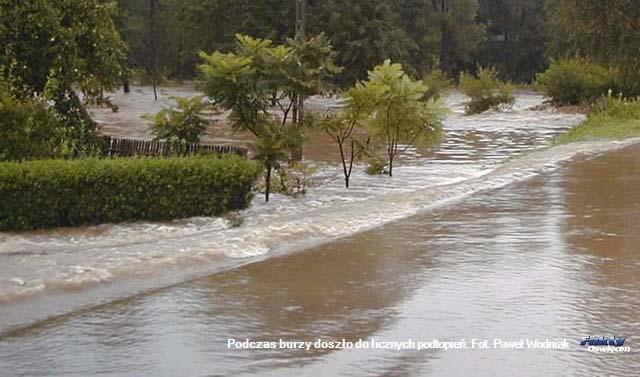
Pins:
x,y
271,148
184,123
258,74
341,126
398,113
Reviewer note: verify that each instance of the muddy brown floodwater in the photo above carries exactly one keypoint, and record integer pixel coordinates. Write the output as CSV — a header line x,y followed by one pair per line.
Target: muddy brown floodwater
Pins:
x,y
555,256
489,235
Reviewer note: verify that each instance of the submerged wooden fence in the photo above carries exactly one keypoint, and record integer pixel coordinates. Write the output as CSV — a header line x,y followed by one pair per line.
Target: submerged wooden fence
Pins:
x,y
115,147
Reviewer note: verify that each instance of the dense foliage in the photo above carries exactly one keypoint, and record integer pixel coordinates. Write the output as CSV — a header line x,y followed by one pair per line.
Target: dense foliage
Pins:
x,y
576,81
420,34
396,112
602,32
55,49
516,39
183,123
54,193
27,129
260,74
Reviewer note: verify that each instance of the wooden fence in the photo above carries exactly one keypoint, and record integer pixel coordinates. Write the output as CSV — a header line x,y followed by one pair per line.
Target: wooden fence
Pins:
x,y
114,147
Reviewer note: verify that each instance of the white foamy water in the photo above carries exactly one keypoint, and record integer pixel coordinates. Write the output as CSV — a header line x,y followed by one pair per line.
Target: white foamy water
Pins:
x,y
471,159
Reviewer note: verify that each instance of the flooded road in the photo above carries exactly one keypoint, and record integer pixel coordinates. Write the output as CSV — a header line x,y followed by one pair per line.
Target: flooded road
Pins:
x,y
52,272
555,256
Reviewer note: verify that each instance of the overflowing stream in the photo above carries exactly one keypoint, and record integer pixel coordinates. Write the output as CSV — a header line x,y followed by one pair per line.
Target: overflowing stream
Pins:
x,y
49,273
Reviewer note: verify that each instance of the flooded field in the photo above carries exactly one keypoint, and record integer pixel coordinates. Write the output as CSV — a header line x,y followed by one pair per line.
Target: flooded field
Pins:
x,y
553,257
52,272
91,287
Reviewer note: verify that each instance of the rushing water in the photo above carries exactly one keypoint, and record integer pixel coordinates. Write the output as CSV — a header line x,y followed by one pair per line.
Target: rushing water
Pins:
x,y
50,273
554,256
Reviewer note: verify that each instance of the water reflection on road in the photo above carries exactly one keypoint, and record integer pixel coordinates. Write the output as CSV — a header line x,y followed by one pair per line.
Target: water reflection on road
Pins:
x,y
552,257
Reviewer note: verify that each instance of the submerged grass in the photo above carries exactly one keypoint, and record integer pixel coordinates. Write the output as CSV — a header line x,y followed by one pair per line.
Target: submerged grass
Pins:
x,y
611,119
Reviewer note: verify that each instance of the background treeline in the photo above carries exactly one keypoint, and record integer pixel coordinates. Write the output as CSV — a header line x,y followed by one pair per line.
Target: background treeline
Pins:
x,y
60,56
454,35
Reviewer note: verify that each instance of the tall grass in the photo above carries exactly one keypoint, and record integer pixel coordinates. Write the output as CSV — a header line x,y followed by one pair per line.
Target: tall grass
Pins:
x,y
612,118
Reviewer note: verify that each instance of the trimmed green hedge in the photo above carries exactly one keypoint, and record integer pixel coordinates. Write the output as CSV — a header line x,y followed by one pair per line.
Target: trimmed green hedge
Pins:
x,y
58,193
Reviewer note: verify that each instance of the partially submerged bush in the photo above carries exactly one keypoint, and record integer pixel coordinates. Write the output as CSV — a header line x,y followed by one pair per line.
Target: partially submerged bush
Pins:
x,y
486,91
56,193
143,77
292,179
437,82
375,166
576,81
183,123
234,219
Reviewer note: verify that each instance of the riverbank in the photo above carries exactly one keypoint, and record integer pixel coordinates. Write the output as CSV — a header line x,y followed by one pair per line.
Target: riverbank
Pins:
x,y
174,258
48,273
522,261
610,119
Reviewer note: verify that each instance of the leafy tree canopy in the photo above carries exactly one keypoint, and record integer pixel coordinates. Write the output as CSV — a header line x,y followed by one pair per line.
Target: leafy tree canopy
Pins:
x,y
51,48
398,113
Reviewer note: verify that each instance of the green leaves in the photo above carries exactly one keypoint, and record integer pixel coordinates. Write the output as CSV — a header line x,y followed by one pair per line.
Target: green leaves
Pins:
x,y
396,110
258,73
577,81
185,123
27,129
260,76
76,43
52,49
55,193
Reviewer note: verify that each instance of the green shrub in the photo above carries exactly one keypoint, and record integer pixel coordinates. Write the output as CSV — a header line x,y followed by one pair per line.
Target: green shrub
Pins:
x,y
27,130
610,118
576,81
486,91
142,77
375,166
437,82
183,123
56,193
627,81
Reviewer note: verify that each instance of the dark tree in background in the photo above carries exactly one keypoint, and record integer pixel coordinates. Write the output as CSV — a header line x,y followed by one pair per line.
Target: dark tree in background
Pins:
x,y
516,37
152,48
364,33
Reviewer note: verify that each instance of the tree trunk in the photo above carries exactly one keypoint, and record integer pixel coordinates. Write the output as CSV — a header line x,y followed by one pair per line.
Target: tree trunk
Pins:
x,y
445,53
152,46
298,107
268,184
296,151
155,89
344,165
301,18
